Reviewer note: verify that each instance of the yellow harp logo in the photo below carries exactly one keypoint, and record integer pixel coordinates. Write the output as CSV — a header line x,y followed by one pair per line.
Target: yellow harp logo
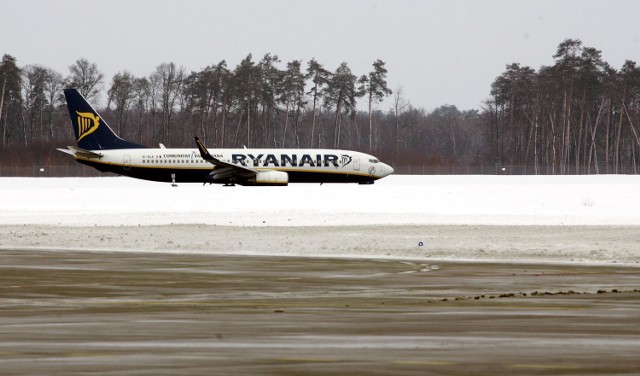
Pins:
x,y
87,124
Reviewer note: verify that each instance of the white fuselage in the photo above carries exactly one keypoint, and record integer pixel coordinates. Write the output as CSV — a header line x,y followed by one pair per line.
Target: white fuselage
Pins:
x,y
187,165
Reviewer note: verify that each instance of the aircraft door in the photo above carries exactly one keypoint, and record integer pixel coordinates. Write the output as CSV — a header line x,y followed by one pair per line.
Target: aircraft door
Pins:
x,y
356,164
126,159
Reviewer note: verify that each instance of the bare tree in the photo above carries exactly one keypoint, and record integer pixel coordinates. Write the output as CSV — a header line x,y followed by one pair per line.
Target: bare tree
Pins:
x,y
53,88
34,79
121,94
86,78
169,79
142,102
399,105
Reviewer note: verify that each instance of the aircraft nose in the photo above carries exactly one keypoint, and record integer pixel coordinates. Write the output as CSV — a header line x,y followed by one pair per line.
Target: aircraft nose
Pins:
x,y
388,170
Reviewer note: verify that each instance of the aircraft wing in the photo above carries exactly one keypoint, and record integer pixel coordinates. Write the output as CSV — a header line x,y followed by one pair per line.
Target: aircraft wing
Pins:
x,y
231,173
223,169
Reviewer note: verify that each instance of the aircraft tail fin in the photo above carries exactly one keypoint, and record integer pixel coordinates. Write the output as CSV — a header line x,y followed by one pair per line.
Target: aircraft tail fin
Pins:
x,y
92,132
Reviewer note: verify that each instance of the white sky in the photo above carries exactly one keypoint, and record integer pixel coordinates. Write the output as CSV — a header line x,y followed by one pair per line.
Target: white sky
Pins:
x,y
439,52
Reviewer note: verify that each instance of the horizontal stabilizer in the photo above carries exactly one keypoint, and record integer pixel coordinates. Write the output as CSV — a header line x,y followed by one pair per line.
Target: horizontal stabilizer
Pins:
x,y
80,153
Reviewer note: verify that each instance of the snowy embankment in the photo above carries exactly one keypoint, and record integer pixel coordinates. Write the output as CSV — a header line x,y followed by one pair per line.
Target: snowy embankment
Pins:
x,y
523,218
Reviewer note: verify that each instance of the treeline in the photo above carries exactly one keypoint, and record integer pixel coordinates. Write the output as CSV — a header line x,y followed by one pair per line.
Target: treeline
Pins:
x,y
263,103
577,116
256,104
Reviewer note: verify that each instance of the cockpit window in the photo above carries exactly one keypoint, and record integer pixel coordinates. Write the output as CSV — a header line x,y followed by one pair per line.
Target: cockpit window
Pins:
x,y
374,160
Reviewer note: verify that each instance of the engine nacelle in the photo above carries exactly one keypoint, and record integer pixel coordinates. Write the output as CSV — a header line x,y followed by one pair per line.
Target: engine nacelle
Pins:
x,y
272,177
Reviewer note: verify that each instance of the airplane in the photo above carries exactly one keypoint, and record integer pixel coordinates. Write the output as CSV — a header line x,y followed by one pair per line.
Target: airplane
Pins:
x,y
100,148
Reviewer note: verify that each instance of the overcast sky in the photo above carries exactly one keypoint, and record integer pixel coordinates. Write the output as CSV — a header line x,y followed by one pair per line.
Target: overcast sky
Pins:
x,y
439,52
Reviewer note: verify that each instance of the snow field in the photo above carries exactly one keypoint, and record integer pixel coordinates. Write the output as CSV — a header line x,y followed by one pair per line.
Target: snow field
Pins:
x,y
583,219
609,200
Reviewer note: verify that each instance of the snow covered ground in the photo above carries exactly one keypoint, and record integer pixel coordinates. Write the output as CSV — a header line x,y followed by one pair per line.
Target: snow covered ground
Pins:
x,y
395,200
422,205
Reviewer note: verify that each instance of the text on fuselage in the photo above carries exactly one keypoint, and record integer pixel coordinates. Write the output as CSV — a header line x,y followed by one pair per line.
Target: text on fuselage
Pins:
x,y
290,160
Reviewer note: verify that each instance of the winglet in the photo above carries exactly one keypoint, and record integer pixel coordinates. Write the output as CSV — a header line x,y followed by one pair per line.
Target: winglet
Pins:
x,y
204,153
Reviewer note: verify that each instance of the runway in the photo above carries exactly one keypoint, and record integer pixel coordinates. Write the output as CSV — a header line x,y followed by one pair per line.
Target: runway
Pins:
x,y
124,313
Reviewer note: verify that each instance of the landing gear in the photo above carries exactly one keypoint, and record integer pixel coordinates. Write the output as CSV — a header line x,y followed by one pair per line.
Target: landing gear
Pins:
x,y
173,180
231,182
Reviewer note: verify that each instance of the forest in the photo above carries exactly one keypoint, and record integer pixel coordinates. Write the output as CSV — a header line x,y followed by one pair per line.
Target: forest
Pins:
x,y
577,116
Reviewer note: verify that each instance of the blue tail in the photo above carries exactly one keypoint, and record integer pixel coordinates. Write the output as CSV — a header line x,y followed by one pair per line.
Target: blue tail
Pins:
x,y
92,132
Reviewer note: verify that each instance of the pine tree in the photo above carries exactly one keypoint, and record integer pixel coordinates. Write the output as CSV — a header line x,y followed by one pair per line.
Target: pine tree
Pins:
x,y
374,87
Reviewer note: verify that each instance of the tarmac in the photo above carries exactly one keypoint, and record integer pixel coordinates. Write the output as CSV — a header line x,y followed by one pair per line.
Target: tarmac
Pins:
x,y
134,313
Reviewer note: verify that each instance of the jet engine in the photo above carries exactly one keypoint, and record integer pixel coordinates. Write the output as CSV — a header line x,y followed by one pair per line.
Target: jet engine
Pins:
x,y
271,177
